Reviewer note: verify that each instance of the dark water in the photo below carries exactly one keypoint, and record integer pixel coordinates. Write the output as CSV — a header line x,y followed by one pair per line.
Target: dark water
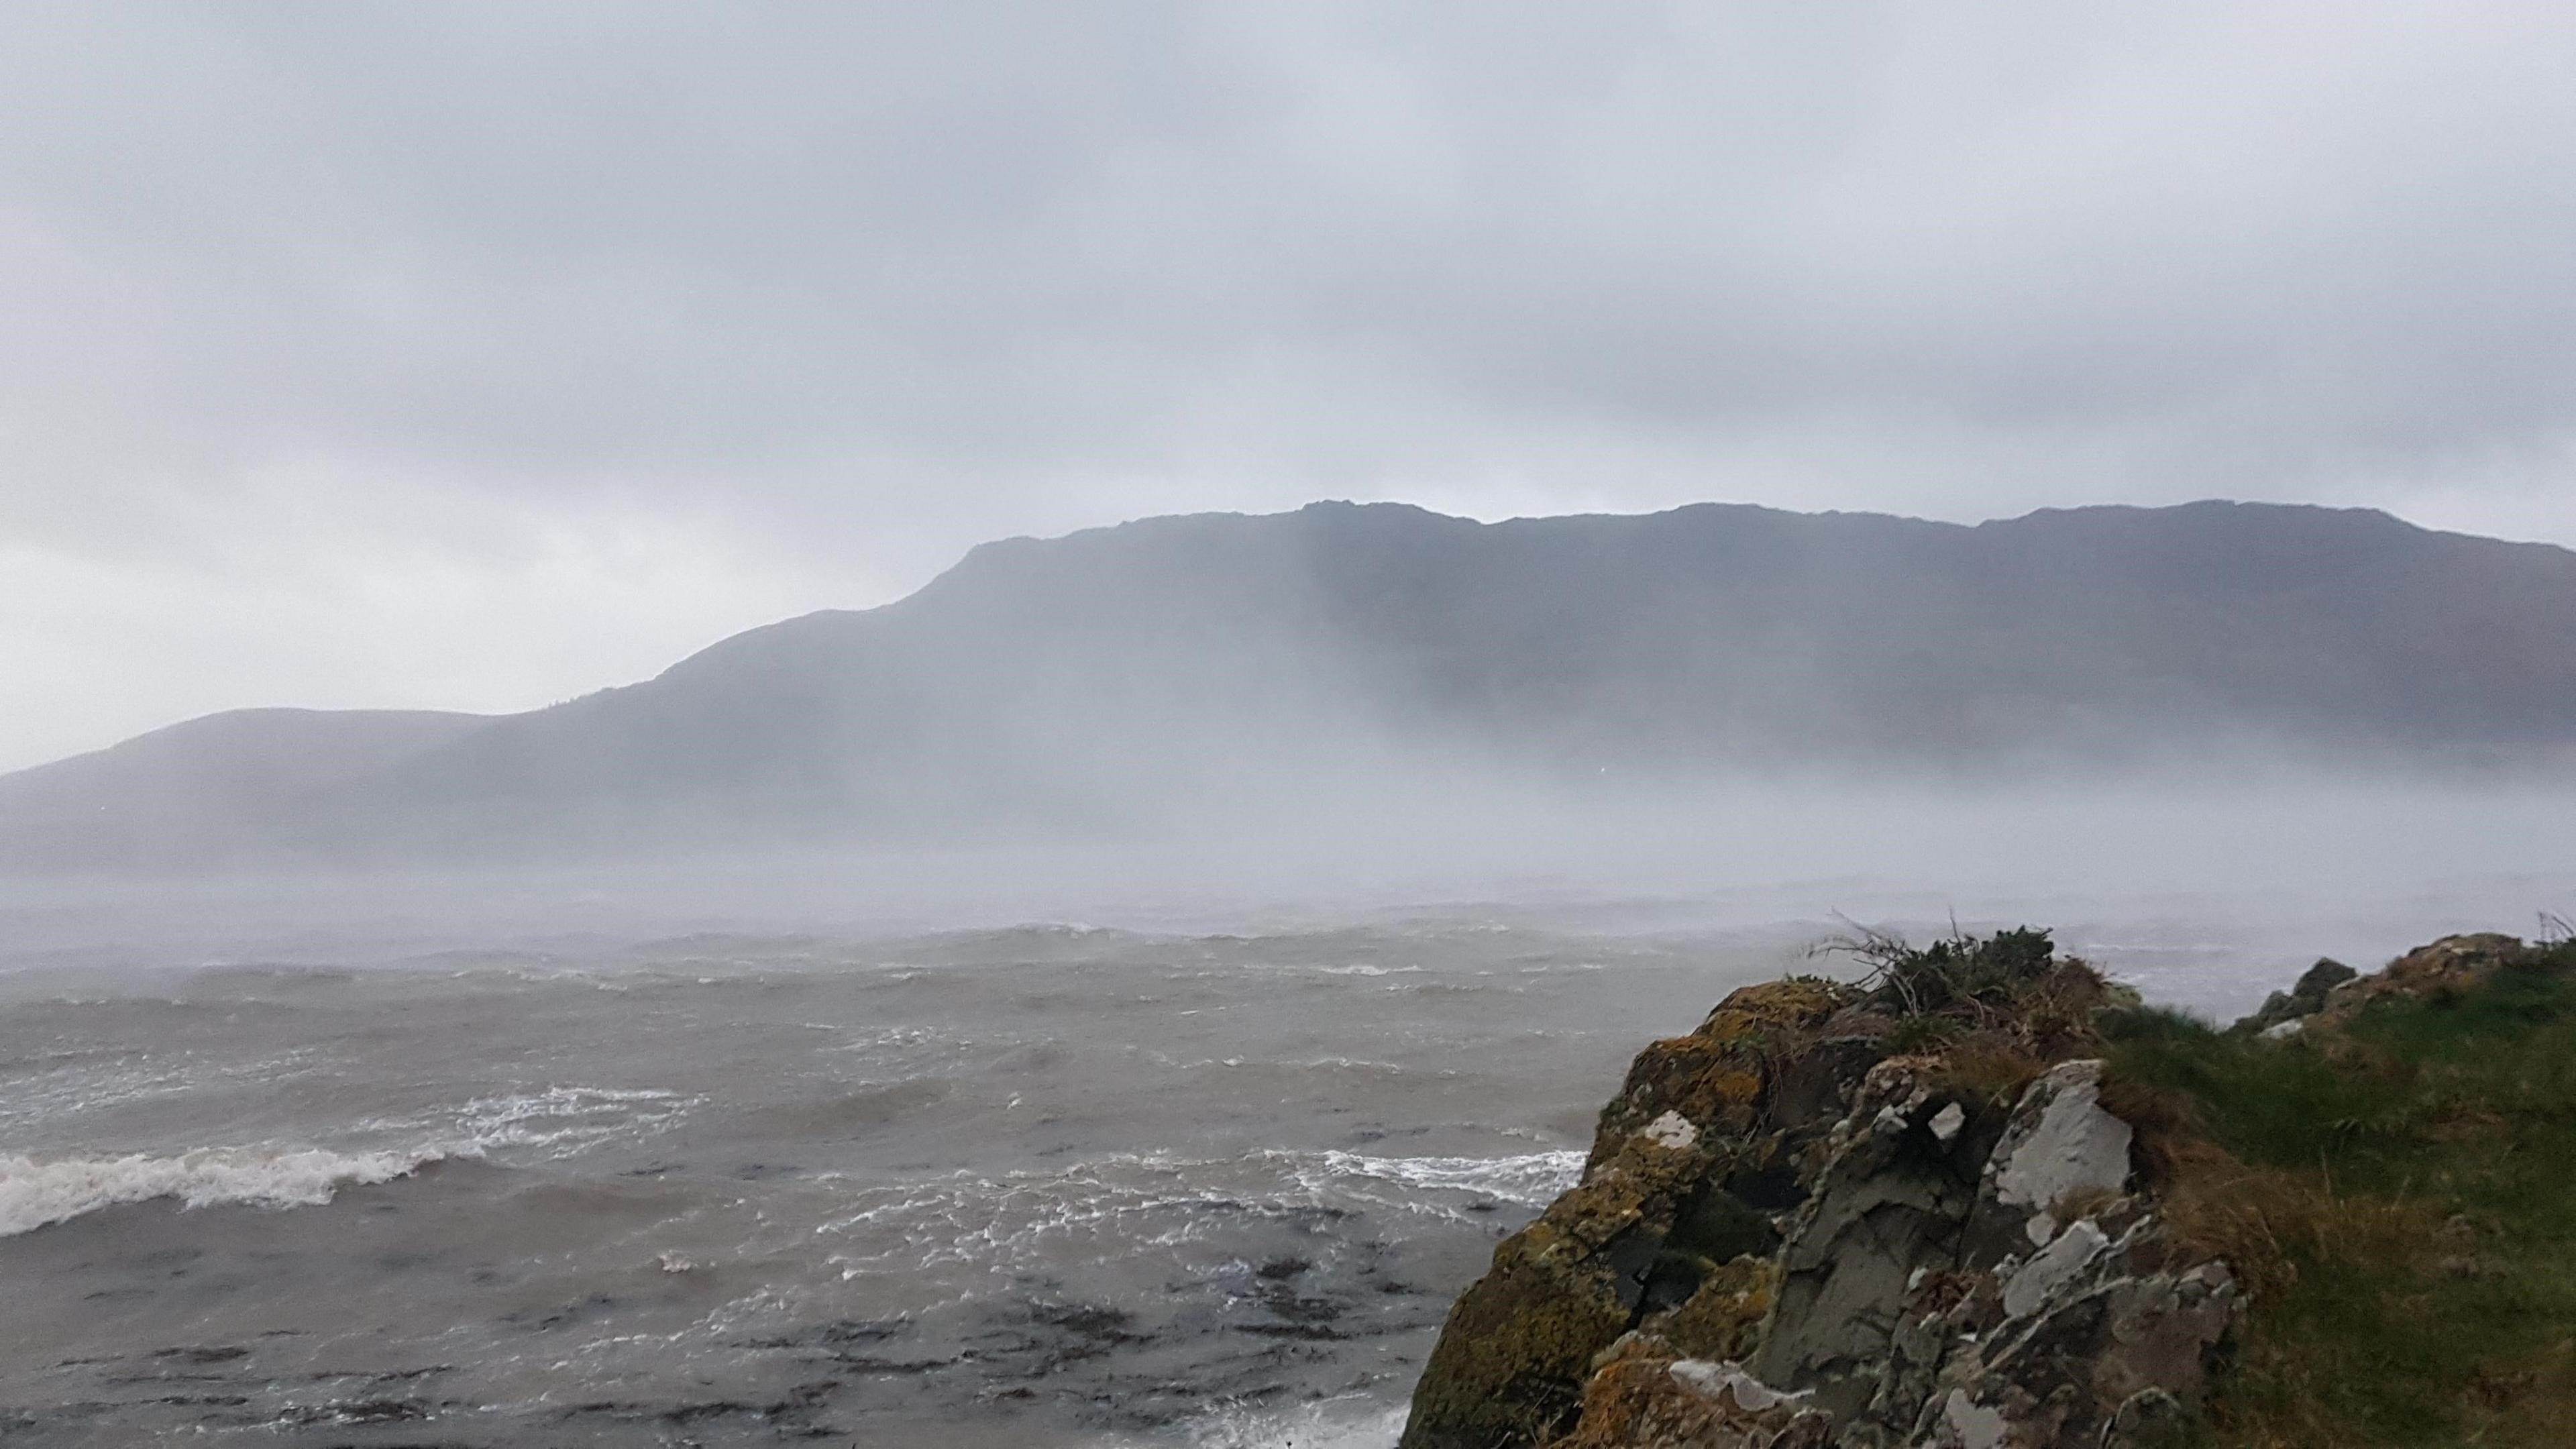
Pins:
x,y
1035,1186
1029,1186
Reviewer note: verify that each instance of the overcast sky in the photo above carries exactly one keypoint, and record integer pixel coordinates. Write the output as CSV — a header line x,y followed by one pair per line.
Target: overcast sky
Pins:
x,y
480,356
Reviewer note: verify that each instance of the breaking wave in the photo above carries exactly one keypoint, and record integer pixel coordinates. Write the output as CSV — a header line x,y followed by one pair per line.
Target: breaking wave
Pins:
x,y
1533,1180
550,1125
33,1193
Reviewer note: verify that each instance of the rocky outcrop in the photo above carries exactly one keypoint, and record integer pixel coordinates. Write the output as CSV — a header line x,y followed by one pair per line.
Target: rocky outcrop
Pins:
x,y
2331,994
1669,1228
2284,1013
2451,966
1896,1213
1950,1284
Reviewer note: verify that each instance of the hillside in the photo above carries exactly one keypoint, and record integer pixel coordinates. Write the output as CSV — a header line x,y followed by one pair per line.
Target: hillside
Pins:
x,y
199,785
1122,678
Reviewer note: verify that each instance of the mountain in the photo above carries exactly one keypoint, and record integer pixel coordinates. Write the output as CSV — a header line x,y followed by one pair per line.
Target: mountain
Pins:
x,y
225,776
1173,670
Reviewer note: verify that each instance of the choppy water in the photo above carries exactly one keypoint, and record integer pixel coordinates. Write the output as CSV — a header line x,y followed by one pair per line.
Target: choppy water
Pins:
x,y
1036,1186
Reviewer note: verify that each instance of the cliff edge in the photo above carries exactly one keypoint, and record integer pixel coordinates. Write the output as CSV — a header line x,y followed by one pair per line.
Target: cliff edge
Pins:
x,y
1983,1198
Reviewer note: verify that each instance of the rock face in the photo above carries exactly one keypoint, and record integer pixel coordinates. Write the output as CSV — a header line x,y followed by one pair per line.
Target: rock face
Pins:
x,y
1669,1227
1986,1289
1790,1235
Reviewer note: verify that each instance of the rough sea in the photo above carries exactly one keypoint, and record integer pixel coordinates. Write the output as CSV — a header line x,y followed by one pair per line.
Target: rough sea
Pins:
x,y
1204,1183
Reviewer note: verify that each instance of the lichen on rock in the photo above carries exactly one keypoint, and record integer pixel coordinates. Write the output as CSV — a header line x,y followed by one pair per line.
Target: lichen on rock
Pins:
x,y
1645,1393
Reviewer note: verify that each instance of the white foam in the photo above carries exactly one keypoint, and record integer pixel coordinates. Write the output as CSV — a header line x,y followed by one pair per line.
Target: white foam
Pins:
x,y
33,1193
1114,1206
549,1125
1347,1423
555,1123
1531,1180
564,1121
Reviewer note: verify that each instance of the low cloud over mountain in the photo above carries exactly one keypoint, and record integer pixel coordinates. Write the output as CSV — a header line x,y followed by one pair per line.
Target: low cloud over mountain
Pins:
x,y
1164,674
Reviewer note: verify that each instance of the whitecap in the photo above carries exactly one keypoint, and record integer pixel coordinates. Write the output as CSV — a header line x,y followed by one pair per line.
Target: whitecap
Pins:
x,y
557,1122
1530,1180
34,1193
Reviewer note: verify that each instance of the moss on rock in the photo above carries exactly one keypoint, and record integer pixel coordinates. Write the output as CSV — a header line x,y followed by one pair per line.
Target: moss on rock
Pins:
x,y
1720,1319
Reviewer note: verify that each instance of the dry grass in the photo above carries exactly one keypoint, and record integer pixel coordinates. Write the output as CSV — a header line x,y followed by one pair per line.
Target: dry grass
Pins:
x,y
2397,1200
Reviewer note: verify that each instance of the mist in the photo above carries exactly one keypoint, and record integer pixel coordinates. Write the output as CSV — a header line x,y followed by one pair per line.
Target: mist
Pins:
x,y
2244,722
978,1018
2252,870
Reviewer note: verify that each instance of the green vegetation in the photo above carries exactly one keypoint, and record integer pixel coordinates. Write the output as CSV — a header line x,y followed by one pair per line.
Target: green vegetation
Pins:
x,y
1958,976
2396,1185
1995,1010
2398,1188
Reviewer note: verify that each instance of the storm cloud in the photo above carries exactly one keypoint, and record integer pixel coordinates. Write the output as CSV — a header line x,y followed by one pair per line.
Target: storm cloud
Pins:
x,y
475,356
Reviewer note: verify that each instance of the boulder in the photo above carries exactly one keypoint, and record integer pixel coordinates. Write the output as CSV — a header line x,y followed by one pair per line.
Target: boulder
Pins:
x,y
2304,999
2061,1148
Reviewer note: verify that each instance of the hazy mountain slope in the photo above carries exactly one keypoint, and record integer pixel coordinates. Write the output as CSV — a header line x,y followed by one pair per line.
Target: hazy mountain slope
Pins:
x,y
203,783
1188,666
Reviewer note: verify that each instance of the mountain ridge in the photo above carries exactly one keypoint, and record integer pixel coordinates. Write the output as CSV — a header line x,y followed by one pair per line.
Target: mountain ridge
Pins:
x,y
1168,665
